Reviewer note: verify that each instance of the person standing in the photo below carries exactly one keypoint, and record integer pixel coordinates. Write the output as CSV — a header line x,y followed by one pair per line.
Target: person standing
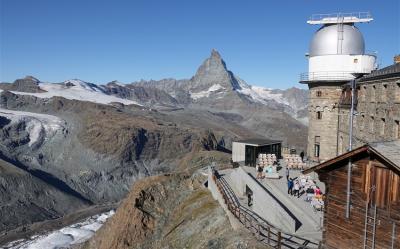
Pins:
x,y
249,199
287,173
290,187
297,189
302,156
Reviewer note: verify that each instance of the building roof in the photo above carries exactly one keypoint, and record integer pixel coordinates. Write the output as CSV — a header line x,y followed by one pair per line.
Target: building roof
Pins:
x,y
386,72
390,150
258,141
386,151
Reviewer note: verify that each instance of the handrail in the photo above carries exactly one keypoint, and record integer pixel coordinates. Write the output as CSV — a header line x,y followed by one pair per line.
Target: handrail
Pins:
x,y
330,75
264,231
352,15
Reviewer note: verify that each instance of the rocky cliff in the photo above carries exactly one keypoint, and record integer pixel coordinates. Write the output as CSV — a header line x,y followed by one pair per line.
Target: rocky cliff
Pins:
x,y
173,211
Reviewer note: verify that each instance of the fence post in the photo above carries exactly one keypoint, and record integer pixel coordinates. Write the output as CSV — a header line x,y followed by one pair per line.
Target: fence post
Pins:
x,y
269,235
279,240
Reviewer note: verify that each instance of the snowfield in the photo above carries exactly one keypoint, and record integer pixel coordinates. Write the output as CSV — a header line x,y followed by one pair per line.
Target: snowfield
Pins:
x,y
65,237
37,124
78,90
203,94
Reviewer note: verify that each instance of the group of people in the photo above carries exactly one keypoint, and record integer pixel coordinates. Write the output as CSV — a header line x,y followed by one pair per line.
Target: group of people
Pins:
x,y
261,170
304,183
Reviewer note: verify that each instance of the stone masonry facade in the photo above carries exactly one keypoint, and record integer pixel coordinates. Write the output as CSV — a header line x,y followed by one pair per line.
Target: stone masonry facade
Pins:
x,y
323,122
377,112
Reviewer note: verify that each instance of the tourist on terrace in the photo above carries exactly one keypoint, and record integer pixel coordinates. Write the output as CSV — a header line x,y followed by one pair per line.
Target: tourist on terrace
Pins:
x,y
287,173
317,191
259,172
302,156
309,193
290,186
297,189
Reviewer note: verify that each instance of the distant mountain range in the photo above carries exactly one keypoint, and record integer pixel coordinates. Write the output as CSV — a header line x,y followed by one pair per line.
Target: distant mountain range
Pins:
x,y
213,87
69,145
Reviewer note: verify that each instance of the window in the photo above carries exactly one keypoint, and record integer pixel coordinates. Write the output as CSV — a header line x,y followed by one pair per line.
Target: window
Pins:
x,y
362,122
397,92
371,125
397,129
319,93
384,93
355,60
316,146
383,123
319,115
373,93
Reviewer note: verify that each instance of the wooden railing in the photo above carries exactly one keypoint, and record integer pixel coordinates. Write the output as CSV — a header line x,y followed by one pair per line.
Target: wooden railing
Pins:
x,y
263,231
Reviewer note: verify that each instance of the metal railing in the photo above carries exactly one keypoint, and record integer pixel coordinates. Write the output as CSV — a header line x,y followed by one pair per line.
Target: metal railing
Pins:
x,y
331,76
348,16
264,232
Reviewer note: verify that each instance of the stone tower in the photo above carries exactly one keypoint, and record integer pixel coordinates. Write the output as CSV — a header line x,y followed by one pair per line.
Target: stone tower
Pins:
x,y
336,55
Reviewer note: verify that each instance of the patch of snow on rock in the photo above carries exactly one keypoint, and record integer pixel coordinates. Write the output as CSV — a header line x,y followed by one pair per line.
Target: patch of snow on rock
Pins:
x,y
65,237
36,124
203,94
78,90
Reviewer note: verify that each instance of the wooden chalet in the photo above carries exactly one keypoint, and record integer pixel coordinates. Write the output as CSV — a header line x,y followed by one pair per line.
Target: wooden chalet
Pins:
x,y
374,220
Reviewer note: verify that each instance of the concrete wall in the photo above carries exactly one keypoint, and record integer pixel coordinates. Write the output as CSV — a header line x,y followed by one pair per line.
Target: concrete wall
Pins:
x,y
339,65
265,203
238,152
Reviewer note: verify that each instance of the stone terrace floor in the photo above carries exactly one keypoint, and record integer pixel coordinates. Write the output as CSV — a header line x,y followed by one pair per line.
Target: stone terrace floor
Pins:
x,y
310,219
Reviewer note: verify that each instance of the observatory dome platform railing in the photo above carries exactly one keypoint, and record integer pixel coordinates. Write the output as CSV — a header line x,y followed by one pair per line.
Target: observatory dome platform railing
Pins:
x,y
331,76
352,17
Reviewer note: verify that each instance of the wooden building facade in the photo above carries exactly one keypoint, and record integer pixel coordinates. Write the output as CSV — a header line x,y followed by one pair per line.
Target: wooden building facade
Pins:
x,y
374,220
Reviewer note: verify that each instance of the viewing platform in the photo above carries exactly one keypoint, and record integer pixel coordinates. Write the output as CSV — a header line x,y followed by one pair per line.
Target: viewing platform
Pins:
x,y
292,219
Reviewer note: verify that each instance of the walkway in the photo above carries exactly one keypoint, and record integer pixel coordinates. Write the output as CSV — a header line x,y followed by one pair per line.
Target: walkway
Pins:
x,y
311,221
264,231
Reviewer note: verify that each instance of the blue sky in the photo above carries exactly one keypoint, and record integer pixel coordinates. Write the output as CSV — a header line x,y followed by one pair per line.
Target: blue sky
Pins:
x,y
263,42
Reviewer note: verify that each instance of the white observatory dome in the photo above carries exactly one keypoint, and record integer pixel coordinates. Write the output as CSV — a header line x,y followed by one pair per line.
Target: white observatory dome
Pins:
x,y
325,41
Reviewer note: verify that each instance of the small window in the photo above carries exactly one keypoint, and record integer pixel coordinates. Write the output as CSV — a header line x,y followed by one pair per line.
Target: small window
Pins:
x,y
362,122
355,60
319,115
372,124
397,129
319,93
383,123
317,146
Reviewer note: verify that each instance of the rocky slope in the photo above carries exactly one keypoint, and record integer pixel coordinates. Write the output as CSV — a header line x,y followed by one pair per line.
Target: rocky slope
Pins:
x,y
26,198
173,211
95,152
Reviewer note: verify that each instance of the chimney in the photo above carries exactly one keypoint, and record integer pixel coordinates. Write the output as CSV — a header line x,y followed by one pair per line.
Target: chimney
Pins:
x,y
397,59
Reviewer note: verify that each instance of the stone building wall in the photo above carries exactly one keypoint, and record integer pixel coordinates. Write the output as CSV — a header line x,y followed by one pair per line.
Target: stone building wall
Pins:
x,y
323,120
378,114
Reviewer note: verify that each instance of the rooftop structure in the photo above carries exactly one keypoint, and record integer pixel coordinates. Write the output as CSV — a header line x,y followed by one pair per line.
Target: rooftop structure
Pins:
x,y
337,49
247,151
336,56
333,18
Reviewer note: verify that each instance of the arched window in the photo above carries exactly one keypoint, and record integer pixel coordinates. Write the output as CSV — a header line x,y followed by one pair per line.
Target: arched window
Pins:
x,y
319,93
